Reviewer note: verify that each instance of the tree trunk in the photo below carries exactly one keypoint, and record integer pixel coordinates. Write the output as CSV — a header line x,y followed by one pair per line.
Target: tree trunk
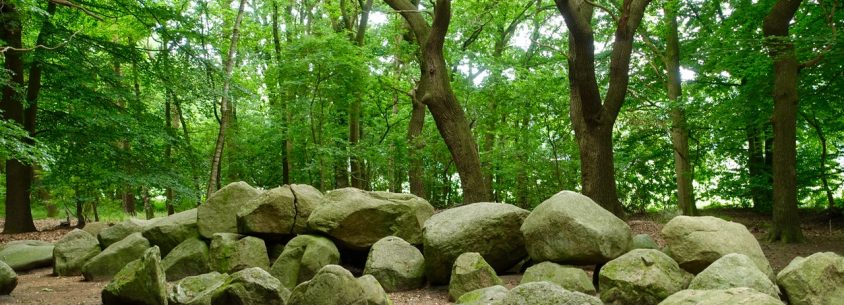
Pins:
x,y
439,97
786,225
416,144
592,117
286,144
213,180
357,165
168,150
18,174
756,169
679,127
818,127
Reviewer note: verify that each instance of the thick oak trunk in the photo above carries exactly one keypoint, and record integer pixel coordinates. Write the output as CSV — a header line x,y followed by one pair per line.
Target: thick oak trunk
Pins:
x,y
786,225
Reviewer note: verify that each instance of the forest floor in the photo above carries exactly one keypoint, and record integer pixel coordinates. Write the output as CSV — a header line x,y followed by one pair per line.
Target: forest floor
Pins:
x,y
40,287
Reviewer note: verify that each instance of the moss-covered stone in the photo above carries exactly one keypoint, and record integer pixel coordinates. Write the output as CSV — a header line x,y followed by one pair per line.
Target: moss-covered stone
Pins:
x,y
569,278
197,290
170,231
235,252
27,255
358,219
483,296
470,272
105,265
330,286
219,213
733,296
251,286
271,214
188,258
308,199
641,276
491,229
373,292
94,228
141,282
302,258
643,241
732,271
546,293
570,228
73,251
396,264
696,242
118,232
814,280
8,279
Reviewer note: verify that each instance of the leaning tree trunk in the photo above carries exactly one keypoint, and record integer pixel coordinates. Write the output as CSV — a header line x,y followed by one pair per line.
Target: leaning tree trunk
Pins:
x,y
592,117
786,225
439,97
18,175
225,112
679,127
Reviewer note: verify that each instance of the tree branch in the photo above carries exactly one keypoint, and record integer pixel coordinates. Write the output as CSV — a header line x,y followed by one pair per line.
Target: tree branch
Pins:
x,y
78,7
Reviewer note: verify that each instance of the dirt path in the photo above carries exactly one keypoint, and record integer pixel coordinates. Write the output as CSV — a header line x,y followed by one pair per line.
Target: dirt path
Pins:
x,y
40,287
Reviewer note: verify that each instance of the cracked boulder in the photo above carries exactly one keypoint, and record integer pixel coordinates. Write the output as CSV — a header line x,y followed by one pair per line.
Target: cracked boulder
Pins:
x,y
491,229
302,258
73,251
570,228
358,219
696,242
219,212
279,212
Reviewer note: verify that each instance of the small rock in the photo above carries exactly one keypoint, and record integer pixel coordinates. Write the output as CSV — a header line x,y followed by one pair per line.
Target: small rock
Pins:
x,y
569,278
332,285
546,293
187,259
94,228
302,258
234,252
373,292
8,279
26,255
732,296
732,271
119,231
105,265
170,231
396,264
483,296
641,276
197,290
470,272
643,241
251,286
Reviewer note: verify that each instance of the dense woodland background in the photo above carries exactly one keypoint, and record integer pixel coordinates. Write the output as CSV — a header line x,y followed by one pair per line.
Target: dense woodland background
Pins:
x,y
150,105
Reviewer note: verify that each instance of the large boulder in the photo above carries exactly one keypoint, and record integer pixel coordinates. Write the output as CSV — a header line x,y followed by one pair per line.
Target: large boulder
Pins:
x,y
396,264
331,285
141,282
358,219
94,228
483,296
73,251
219,213
105,265
732,296
251,286
570,228
8,279
814,280
272,214
569,278
641,276
187,259
546,293
170,231
732,271
197,290
119,231
696,242
373,292
234,252
302,258
308,199
26,255
470,272
491,229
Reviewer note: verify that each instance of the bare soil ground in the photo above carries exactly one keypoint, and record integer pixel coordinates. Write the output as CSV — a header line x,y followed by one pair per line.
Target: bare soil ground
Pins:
x,y
40,287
